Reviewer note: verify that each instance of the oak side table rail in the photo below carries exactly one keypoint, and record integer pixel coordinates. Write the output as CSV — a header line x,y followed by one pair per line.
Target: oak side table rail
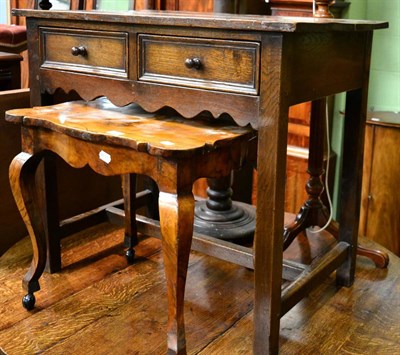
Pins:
x,y
250,67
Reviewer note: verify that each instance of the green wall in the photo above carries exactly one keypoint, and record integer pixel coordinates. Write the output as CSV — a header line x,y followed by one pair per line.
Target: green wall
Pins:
x,y
3,12
384,88
114,5
384,84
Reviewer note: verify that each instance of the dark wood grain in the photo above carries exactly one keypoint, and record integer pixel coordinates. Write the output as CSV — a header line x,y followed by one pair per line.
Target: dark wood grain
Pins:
x,y
268,251
213,20
239,61
349,212
59,45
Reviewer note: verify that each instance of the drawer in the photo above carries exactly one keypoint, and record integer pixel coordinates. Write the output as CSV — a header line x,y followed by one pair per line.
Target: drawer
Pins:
x,y
93,52
210,64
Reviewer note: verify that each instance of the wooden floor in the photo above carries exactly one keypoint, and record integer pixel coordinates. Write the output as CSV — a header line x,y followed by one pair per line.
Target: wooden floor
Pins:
x,y
99,305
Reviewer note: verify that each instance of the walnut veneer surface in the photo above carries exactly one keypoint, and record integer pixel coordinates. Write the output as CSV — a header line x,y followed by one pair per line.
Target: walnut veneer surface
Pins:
x,y
131,126
280,62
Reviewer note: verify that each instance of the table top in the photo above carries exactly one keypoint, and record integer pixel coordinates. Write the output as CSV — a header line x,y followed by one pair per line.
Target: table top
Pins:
x,y
212,20
130,126
384,118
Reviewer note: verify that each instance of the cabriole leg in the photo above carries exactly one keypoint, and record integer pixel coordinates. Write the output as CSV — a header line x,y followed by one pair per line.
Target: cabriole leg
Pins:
x,y
176,221
22,180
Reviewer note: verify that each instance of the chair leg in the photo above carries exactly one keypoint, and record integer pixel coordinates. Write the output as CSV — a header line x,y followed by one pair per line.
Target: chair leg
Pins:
x,y
176,222
379,258
152,205
129,193
23,185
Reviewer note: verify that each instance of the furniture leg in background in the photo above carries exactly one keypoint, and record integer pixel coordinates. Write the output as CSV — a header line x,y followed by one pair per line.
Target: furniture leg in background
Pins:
x,y
10,72
314,212
220,217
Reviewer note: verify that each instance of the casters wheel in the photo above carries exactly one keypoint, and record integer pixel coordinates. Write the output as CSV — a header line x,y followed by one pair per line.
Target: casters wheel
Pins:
x,y
130,255
28,301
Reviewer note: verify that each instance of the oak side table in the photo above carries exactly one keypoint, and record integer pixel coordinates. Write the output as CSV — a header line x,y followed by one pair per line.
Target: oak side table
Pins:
x,y
250,67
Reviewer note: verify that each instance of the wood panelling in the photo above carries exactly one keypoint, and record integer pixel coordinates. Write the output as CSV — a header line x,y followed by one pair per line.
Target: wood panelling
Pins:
x,y
12,228
18,20
192,5
10,72
380,204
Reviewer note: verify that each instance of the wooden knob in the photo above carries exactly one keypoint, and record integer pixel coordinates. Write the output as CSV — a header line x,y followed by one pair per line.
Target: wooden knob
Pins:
x,y
193,63
45,5
80,50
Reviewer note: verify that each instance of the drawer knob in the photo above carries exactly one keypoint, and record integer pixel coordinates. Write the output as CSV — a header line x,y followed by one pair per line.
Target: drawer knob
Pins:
x,y
193,63
80,50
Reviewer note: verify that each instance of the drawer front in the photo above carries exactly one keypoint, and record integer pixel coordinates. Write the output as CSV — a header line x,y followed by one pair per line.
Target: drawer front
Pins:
x,y
221,65
93,52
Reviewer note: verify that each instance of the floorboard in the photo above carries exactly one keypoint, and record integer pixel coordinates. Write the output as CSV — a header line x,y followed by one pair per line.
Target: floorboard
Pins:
x,y
98,304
